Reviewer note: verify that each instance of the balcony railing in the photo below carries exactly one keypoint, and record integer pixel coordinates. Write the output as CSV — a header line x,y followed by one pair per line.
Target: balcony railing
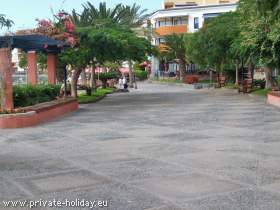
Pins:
x,y
168,30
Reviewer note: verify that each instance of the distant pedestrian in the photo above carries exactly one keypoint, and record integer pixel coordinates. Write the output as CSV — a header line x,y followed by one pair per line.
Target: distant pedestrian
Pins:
x,y
125,83
68,88
121,83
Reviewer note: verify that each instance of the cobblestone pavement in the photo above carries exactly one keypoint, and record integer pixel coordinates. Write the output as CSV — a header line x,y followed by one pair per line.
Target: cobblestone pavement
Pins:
x,y
157,148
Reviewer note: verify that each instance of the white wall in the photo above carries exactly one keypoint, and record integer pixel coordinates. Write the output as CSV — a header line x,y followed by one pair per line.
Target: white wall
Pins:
x,y
192,12
15,59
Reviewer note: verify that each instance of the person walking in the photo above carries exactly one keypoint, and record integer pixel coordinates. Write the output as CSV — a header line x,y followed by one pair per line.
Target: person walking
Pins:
x,y
68,88
120,83
125,83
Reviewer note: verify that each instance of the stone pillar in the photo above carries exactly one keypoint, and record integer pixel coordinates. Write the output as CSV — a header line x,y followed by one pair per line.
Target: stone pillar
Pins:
x,y
51,63
6,80
32,68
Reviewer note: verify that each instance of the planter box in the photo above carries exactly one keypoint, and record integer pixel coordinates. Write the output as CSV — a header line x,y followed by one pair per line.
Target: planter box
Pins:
x,y
273,98
39,113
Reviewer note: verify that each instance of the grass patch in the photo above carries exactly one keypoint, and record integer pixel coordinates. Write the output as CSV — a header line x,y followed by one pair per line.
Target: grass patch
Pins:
x,y
260,92
100,92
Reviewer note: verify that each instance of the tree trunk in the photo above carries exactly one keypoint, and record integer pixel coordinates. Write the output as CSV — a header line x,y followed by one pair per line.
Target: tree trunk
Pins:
x,y
93,78
182,69
83,77
268,77
237,73
74,81
104,84
251,69
130,74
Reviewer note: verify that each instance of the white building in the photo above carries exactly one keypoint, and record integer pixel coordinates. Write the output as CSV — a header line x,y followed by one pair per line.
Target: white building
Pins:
x,y
184,17
15,60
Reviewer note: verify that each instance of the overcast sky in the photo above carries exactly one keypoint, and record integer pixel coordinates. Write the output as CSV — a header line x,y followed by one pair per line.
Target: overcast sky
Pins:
x,y
24,12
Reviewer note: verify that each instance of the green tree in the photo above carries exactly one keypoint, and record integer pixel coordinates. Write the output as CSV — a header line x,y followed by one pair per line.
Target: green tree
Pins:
x,y
78,58
133,18
259,30
107,32
176,48
211,46
23,60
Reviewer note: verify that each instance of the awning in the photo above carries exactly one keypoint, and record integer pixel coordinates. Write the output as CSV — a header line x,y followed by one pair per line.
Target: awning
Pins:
x,y
38,43
210,15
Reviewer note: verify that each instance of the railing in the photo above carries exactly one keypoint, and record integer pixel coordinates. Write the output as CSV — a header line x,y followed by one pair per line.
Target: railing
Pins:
x,y
167,30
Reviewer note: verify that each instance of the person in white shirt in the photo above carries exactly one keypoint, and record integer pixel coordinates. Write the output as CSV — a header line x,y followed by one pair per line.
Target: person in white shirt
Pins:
x,y
121,83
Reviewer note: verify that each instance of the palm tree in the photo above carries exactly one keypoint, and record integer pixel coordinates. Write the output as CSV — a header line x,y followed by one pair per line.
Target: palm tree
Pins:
x,y
124,16
98,17
101,15
177,49
133,17
4,22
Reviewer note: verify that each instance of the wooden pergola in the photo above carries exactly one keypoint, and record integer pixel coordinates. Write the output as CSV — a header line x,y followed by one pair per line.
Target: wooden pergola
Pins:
x,y
31,44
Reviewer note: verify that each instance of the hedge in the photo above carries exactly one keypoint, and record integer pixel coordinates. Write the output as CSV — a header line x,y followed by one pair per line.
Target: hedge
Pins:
x,y
108,75
141,75
28,95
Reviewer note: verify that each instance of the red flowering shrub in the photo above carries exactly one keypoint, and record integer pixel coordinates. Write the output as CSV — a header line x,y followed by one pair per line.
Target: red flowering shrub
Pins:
x,y
191,79
69,25
63,30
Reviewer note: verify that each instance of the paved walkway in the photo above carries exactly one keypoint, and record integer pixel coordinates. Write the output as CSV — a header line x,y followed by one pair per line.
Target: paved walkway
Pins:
x,y
158,148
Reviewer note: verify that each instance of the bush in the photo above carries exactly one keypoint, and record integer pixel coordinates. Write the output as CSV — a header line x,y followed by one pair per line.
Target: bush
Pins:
x,y
259,83
191,79
107,76
28,95
141,75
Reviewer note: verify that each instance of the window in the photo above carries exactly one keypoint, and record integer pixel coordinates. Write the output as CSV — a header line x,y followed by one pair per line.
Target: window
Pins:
x,y
160,41
196,23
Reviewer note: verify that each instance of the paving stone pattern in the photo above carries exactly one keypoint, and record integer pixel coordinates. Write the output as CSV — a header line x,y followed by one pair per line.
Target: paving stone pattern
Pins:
x,y
160,147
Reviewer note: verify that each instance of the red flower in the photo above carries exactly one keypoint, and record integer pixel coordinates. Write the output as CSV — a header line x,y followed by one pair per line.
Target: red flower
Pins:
x,y
61,14
66,34
69,25
72,41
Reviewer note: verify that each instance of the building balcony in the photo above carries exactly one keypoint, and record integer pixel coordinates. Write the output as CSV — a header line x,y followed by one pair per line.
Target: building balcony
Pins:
x,y
168,30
